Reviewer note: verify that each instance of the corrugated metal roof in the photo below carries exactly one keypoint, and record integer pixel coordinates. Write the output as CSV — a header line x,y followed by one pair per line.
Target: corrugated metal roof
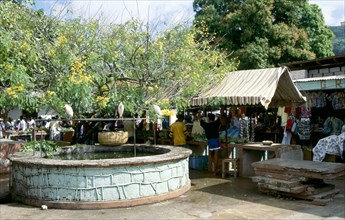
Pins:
x,y
320,78
272,86
318,63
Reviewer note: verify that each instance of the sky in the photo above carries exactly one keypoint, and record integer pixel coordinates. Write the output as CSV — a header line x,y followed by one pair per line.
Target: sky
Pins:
x,y
332,10
169,12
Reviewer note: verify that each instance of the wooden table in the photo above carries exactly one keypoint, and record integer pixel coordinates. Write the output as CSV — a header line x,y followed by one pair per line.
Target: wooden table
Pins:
x,y
28,135
249,153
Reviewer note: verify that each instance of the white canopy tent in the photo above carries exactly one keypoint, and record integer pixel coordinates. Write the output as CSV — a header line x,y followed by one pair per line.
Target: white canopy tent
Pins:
x,y
269,87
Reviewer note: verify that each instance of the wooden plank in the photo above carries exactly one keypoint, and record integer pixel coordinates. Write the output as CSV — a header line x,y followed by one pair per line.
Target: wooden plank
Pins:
x,y
327,194
280,176
319,195
293,190
276,182
301,173
300,165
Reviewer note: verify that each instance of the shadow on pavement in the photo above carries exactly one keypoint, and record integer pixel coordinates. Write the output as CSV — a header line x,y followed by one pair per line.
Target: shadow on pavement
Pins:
x,y
245,190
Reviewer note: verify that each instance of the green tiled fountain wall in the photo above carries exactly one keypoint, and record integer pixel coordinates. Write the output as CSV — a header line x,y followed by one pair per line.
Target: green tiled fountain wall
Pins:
x,y
99,183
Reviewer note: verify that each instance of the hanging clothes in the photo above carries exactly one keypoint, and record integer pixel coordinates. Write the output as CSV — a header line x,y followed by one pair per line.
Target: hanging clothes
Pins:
x,y
284,116
288,129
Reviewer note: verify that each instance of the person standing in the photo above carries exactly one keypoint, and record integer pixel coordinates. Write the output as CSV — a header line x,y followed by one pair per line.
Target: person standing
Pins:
x,y
31,123
9,126
212,134
2,128
22,124
178,132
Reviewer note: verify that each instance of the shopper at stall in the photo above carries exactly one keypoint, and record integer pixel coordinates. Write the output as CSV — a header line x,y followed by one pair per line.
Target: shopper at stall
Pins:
x,y
234,131
2,128
212,134
178,132
9,127
22,124
31,123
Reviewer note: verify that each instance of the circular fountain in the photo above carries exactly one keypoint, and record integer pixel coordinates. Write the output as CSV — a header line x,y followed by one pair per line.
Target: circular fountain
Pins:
x,y
101,183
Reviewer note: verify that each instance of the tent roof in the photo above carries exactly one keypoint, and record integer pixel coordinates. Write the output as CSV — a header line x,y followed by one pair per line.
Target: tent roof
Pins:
x,y
269,87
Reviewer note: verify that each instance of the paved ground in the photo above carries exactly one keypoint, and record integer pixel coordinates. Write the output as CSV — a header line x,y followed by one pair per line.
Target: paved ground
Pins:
x,y
209,198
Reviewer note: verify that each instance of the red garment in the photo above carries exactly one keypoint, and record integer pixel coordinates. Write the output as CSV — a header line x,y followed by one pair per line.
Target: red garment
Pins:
x,y
287,110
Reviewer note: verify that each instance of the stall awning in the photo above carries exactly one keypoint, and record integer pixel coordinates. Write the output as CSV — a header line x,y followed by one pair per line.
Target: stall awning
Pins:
x,y
269,87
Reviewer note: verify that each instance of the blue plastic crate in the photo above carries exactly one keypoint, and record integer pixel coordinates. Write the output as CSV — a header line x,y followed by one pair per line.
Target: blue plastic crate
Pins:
x,y
198,163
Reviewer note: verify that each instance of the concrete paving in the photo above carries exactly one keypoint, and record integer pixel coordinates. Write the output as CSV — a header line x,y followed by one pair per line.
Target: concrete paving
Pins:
x,y
210,197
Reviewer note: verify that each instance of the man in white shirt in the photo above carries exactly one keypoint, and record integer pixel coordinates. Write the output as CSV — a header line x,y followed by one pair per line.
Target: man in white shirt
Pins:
x,y
31,123
22,124
2,128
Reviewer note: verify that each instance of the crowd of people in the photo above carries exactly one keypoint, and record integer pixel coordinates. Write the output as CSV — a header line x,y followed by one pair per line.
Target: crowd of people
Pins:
x,y
210,126
10,127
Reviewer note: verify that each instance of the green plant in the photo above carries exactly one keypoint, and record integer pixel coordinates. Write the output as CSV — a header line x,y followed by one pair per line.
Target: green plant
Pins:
x,y
47,147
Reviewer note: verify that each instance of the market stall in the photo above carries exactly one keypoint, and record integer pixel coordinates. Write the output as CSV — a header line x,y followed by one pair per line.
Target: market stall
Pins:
x,y
272,87
266,87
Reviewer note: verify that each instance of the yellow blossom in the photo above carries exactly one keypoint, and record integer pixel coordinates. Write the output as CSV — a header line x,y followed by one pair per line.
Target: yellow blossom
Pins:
x,y
18,88
102,101
167,112
9,67
50,93
79,75
61,39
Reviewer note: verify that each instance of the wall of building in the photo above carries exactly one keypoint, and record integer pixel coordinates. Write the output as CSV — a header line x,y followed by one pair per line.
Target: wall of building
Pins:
x,y
331,71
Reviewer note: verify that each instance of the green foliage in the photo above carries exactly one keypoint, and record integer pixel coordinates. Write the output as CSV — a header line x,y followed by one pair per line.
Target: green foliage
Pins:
x,y
45,62
47,147
339,46
339,31
339,41
266,33
24,36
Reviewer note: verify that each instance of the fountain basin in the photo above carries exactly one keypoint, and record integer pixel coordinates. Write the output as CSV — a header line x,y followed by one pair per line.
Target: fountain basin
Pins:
x,y
105,183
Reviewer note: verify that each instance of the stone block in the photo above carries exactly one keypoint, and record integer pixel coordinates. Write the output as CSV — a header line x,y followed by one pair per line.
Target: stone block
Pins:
x,y
54,180
316,75
184,180
173,184
162,187
122,179
147,190
324,70
132,191
165,175
47,193
138,178
100,181
313,72
328,74
151,177
334,69
110,194
33,192
86,194
338,73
